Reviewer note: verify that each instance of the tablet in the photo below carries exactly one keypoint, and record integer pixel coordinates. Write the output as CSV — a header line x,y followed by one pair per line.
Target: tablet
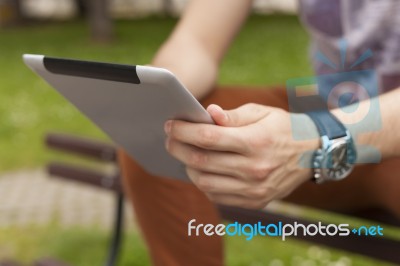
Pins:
x,y
129,103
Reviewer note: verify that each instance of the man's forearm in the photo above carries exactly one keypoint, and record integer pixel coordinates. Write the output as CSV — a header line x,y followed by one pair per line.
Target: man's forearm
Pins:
x,y
197,45
190,63
387,139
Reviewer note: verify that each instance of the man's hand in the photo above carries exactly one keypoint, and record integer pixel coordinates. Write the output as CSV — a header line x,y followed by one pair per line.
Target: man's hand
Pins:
x,y
249,158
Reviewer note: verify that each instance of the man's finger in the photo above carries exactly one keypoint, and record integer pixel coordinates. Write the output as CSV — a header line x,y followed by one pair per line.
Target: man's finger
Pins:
x,y
210,137
236,200
222,163
212,183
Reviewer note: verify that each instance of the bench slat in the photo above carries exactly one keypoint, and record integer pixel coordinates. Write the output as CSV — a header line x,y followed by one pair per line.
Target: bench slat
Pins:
x,y
83,147
84,175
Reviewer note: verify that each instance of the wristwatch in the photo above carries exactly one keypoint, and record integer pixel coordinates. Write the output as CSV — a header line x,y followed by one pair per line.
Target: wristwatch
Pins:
x,y
336,157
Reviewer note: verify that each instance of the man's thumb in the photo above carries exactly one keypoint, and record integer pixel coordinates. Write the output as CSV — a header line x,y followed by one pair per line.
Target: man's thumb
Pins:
x,y
241,116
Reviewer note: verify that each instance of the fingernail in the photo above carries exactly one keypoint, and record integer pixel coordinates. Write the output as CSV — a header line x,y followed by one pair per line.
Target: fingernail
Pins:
x,y
216,110
219,108
167,127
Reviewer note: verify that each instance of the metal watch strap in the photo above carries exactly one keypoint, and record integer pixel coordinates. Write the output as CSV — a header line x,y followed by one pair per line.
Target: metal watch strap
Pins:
x,y
327,124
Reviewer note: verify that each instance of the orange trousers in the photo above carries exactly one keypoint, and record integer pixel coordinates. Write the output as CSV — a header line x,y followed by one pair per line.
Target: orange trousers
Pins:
x,y
164,206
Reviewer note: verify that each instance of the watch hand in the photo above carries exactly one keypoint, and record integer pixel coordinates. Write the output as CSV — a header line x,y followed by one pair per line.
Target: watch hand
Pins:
x,y
338,158
342,154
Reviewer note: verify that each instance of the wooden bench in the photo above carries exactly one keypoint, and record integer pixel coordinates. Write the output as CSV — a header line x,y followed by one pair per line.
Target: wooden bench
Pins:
x,y
382,248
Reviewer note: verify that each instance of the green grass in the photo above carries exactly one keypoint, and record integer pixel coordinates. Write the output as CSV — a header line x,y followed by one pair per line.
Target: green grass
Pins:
x,y
268,51
74,245
87,247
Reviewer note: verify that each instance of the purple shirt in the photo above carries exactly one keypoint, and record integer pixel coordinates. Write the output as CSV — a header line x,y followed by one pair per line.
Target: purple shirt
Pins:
x,y
364,24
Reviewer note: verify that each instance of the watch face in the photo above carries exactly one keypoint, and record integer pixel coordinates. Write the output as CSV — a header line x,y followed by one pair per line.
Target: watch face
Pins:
x,y
336,164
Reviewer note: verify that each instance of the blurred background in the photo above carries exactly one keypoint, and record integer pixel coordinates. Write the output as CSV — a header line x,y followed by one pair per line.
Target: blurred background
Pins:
x,y
44,217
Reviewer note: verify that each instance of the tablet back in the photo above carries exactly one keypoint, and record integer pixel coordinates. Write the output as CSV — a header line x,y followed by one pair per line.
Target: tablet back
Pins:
x,y
129,103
